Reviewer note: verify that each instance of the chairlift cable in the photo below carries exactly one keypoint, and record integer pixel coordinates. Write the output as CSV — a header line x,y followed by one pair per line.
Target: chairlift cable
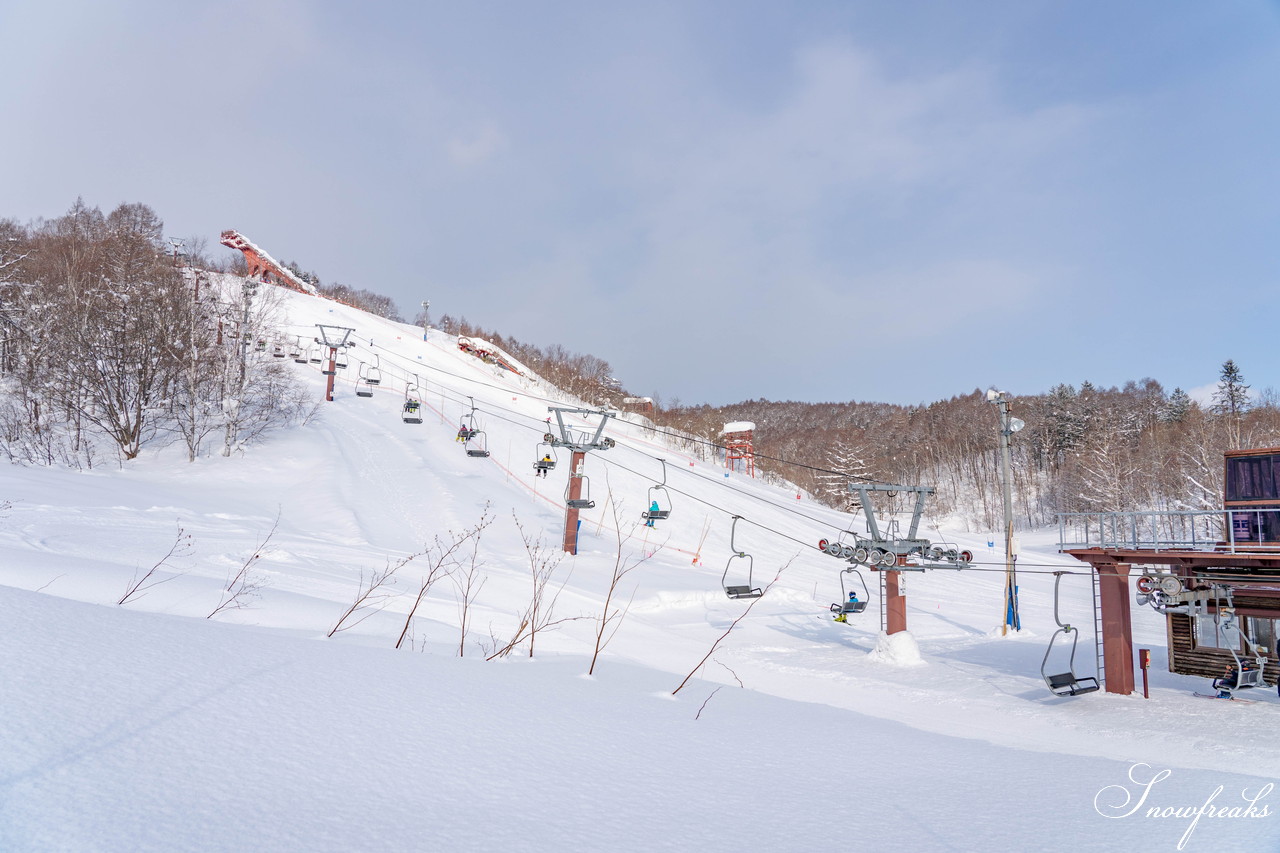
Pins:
x,y
539,425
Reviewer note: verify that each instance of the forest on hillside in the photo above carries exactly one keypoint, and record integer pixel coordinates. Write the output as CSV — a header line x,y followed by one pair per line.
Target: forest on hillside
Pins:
x,y
1083,449
110,340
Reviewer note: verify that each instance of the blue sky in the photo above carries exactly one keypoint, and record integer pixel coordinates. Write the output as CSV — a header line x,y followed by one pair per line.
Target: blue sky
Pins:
x,y
725,200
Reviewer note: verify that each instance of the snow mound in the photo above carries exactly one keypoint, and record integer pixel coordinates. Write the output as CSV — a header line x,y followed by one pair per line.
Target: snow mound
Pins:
x,y
898,649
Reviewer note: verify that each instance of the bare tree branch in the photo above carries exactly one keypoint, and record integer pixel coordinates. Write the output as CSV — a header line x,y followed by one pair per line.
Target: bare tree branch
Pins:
x,y
138,586
733,625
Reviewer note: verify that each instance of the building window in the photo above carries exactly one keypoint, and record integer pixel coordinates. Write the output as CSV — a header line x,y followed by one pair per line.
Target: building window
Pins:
x,y
1251,478
1207,635
1263,632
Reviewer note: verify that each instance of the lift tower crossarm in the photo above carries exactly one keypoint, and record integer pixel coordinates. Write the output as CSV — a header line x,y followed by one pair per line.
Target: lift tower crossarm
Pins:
x,y
921,493
579,441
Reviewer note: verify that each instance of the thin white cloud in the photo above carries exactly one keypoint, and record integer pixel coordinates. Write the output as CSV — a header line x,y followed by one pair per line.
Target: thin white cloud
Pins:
x,y
478,147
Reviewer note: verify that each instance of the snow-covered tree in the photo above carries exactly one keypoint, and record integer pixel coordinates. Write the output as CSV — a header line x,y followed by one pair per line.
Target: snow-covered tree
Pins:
x,y
1176,407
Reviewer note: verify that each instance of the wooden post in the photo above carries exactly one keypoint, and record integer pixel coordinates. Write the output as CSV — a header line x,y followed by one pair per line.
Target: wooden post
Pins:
x,y
575,491
1117,626
895,603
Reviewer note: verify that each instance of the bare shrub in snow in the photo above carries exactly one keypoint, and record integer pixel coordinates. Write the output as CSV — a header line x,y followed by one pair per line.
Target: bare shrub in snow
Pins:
x,y
244,588
611,616
443,560
138,586
373,594
468,582
539,614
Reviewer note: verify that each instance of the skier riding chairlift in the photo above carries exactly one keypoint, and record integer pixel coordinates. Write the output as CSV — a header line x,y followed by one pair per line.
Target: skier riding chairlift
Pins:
x,y
844,612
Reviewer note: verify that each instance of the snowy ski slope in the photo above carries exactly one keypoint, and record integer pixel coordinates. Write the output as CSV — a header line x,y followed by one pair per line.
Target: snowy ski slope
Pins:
x,y
149,727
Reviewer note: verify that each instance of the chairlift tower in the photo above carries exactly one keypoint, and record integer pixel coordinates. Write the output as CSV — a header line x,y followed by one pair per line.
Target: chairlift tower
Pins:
x,y
889,553
332,337
738,447
578,441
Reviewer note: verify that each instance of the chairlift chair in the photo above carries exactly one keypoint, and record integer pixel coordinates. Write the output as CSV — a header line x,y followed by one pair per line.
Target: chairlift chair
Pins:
x,y
584,500
545,459
656,491
468,427
845,607
277,351
1065,683
747,562
314,354
480,447
340,360
1247,672
411,411
366,377
303,355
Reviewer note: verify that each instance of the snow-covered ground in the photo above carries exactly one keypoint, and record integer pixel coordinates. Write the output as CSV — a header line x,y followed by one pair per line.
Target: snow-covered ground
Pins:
x,y
149,727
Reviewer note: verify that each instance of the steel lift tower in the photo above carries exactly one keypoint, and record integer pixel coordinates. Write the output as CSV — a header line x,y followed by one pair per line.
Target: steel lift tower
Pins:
x,y
579,441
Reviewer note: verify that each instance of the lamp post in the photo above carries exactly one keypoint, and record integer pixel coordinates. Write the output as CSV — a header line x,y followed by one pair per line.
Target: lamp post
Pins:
x,y
1008,426
426,306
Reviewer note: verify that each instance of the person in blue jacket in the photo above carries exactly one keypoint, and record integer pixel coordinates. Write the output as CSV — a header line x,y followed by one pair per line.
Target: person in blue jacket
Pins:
x,y
653,508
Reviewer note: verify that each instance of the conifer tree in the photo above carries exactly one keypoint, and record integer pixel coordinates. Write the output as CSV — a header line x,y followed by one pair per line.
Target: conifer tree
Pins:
x,y
1231,400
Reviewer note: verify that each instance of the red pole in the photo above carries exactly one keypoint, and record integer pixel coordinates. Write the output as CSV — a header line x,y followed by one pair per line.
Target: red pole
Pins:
x,y
895,603
575,492
1144,661
333,368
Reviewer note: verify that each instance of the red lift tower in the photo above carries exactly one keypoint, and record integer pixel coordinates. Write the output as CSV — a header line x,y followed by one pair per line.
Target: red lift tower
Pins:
x,y
737,446
577,494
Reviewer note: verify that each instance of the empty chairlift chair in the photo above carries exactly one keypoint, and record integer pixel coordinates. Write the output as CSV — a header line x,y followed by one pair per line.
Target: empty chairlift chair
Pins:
x,y
744,565
583,501
1065,683
367,376
477,444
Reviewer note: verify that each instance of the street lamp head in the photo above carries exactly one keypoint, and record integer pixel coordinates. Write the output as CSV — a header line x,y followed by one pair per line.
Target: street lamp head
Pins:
x,y
993,395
